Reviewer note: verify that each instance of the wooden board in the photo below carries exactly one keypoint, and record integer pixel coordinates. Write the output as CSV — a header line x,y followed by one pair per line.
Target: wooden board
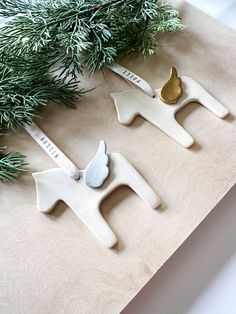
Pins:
x,y
52,263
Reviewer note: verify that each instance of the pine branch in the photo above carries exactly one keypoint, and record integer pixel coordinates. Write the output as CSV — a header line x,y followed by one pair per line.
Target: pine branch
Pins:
x,y
106,5
25,89
11,164
86,33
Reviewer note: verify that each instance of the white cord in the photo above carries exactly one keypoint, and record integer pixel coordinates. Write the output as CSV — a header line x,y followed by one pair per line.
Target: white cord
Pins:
x,y
53,151
133,78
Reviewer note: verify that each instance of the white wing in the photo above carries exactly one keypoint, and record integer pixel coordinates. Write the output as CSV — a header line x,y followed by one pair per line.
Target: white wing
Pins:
x,y
97,171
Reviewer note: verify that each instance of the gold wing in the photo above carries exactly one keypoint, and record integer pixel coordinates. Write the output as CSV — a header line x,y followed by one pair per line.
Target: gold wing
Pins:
x,y
172,90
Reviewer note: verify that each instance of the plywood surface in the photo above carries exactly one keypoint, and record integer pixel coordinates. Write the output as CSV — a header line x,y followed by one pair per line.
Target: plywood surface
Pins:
x,y
52,263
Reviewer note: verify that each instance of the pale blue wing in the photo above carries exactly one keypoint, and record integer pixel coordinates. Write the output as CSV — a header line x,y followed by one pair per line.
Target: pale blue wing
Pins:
x,y
97,170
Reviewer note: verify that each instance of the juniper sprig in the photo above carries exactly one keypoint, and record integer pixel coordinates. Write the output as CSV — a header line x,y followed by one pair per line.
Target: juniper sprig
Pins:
x,y
26,88
85,33
11,164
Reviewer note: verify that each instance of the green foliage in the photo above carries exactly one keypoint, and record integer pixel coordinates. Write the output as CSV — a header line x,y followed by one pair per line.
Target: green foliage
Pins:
x,y
85,33
10,165
25,89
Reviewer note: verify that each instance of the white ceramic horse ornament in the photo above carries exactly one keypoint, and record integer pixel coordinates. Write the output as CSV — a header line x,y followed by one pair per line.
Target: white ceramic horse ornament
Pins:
x,y
102,175
161,109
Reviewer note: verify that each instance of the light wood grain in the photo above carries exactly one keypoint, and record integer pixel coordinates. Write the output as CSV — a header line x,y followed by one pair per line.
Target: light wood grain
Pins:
x,y
53,264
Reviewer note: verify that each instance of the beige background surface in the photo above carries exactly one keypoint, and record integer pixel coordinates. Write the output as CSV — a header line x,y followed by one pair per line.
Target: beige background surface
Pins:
x,y
53,264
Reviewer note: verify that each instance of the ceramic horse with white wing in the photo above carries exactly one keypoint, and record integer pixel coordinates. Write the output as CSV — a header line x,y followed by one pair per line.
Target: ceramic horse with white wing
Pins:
x,y
104,174
161,109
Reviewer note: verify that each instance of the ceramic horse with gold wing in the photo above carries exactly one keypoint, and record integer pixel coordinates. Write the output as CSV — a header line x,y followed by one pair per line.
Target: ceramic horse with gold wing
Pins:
x,y
161,109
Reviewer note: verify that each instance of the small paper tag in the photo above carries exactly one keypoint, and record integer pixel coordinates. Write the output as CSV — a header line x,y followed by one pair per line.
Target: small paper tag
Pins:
x,y
53,151
133,78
